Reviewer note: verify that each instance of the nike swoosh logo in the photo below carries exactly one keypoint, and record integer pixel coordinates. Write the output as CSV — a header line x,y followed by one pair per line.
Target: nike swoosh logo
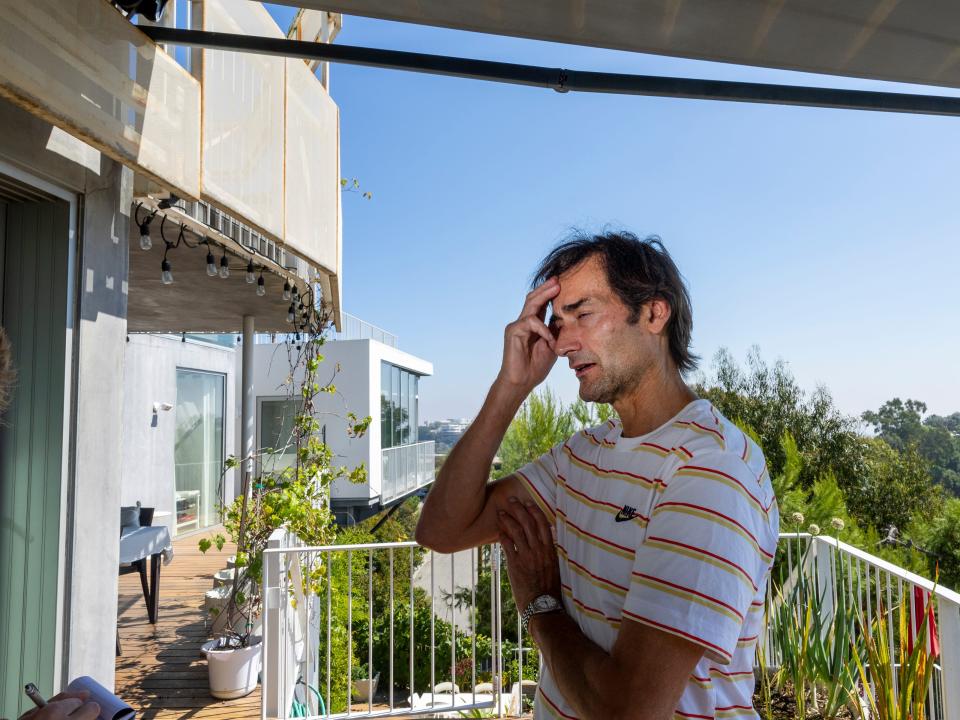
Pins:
x,y
625,515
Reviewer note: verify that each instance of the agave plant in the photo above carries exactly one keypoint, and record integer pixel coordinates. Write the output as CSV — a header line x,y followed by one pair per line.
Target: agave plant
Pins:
x,y
894,691
817,643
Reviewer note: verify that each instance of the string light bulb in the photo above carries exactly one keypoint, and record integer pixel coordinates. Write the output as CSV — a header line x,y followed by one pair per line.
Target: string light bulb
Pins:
x,y
286,290
211,263
224,266
251,278
166,274
290,315
146,242
261,285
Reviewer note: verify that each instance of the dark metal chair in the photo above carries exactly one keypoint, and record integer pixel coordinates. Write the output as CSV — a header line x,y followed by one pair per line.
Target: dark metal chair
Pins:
x,y
140,566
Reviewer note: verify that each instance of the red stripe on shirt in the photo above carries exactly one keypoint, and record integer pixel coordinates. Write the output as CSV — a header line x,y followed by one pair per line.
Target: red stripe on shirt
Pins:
x,y
669,628
610,470
570,560
589,534
709,554
534,488
689,590
556,709
582,604
729,477
711,511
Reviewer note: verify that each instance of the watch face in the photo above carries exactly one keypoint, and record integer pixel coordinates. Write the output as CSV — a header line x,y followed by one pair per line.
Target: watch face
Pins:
x,y
545,602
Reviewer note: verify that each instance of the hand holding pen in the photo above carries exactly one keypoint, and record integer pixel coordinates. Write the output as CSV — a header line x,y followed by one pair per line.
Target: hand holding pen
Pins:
x,y
65,706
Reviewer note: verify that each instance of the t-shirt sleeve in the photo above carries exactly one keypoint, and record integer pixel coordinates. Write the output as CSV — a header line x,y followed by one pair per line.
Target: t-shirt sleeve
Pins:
x,y
707,548
540,479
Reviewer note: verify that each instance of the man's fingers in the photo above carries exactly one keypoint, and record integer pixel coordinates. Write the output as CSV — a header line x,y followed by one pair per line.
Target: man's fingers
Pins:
x,y
537,299
81,695
543,527
88,711
66,706
513,530
524,327
532,538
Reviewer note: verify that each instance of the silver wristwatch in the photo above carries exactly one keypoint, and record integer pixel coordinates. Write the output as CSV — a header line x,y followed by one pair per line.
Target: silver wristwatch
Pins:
x,y
541,604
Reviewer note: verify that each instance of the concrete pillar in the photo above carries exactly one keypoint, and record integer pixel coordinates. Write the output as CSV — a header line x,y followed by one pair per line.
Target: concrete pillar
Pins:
x,y
248,409
93,530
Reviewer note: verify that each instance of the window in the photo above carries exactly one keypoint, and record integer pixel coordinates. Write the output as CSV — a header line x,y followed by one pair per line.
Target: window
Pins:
x,y
276,432
399,413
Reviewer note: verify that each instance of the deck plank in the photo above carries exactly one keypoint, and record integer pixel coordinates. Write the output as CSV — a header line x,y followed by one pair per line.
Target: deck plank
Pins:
x,y
162,672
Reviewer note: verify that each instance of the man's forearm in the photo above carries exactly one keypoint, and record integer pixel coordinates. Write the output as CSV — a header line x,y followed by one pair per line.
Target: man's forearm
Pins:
x,y
588,677
459,492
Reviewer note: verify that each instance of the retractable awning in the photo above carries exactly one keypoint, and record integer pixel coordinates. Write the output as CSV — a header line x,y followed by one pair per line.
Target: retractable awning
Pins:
x,y
913,41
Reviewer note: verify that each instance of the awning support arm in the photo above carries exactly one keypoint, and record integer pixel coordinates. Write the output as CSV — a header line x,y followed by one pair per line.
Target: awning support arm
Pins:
x,y
565,80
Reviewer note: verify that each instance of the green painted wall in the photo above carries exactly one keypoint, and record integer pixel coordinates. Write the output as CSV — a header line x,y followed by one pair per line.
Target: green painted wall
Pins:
x,y
34,314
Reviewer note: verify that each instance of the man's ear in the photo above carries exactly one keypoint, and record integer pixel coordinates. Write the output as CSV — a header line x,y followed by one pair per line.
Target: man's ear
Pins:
x,y
658,314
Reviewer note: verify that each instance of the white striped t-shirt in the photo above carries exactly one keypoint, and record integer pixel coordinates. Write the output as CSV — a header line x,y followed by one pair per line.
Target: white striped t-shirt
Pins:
x,y
675,529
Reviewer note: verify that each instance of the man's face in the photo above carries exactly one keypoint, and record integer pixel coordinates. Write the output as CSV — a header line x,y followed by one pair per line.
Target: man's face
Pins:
x,y
609,355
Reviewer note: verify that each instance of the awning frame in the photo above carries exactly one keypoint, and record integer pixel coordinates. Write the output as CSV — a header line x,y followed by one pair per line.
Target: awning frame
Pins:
x,y
563,80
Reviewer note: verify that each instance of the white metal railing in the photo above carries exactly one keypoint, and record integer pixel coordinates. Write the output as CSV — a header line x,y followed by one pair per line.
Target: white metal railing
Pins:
x,y
356,329
406,468
871,585
353,329
320,605
315,597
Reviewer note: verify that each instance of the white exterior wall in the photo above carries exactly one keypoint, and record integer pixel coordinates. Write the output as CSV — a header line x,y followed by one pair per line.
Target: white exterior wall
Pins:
x,y
358,391
150,375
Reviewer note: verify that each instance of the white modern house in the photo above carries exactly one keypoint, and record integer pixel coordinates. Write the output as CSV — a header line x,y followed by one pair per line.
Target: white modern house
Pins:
x,y
182,418
374,378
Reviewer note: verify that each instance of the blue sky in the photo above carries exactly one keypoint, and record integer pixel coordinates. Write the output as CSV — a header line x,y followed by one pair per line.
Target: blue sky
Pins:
x,y
828,238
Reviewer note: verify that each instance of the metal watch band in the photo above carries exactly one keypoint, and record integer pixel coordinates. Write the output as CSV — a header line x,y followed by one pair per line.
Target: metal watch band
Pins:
x,y
530,611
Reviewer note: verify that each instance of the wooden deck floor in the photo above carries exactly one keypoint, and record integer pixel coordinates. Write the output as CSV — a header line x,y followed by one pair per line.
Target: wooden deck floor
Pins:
x,y
162,672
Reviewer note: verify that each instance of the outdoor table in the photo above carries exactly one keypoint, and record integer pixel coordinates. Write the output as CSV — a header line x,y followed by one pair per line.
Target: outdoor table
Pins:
x,y
136,545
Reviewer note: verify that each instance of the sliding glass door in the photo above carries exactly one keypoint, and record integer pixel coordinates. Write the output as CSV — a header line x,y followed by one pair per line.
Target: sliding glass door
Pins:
x,y
198,449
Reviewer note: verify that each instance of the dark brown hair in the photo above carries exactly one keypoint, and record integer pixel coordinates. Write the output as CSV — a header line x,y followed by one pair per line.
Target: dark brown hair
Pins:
x,y
638,271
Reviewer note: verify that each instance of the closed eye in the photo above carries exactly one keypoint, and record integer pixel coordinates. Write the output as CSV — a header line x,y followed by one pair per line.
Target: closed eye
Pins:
x,y
583,315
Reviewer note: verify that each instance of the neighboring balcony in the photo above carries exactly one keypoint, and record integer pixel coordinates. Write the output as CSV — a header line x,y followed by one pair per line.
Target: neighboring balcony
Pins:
x,y
406,469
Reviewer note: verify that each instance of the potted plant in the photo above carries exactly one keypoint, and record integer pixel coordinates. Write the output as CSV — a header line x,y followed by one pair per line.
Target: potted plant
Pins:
x,y
363,687
295,498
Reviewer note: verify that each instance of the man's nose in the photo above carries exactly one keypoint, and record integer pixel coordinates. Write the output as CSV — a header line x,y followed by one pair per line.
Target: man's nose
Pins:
x,y
567,342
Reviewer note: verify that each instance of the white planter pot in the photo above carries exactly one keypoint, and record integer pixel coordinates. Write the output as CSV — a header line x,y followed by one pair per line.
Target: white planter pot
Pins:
x,y
233,673
364,690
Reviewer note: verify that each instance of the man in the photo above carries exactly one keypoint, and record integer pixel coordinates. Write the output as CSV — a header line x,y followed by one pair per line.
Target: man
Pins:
x,y
65,706
649,601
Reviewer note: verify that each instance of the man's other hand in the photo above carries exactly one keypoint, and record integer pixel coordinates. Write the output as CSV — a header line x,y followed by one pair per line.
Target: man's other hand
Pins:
x,y
531,555
65,706
528,344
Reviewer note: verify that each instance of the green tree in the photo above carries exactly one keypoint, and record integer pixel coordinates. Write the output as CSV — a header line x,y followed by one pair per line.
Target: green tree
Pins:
x,y
898,422
937,439
541,423
768,399
943,539
950,423
895,488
